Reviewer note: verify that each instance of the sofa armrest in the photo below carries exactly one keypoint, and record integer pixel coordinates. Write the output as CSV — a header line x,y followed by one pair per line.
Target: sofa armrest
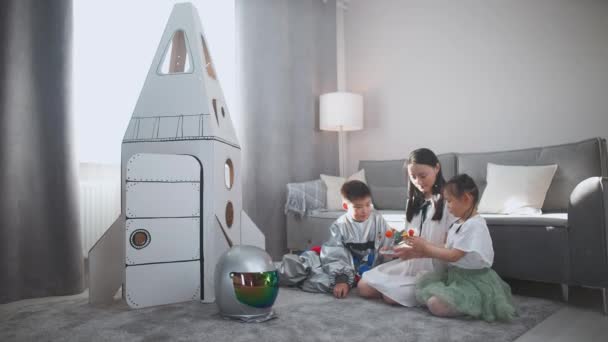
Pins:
x,y
587,232
309,230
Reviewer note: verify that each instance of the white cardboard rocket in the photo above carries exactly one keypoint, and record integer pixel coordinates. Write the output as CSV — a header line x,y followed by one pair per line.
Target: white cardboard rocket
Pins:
x,y
181,181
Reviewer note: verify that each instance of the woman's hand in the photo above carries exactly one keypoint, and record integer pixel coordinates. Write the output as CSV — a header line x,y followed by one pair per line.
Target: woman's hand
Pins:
x,y
390,256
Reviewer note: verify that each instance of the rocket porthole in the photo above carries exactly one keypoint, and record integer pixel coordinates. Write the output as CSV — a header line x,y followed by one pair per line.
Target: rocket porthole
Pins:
x,y
223,112
140,238
229,214
207,60
228,174
214,103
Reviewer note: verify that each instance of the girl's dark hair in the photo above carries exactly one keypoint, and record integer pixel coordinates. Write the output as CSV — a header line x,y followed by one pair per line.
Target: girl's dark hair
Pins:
x,y
415,197
461,184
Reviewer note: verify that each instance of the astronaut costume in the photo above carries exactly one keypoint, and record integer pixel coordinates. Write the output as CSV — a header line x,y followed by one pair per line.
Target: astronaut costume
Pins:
x,y
352,249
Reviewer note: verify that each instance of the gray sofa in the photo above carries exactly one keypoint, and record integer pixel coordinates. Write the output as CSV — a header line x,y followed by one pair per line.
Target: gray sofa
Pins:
x,y
567,244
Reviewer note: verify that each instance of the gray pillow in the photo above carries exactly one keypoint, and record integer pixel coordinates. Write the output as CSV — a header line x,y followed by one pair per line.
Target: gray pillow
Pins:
x,y
389,198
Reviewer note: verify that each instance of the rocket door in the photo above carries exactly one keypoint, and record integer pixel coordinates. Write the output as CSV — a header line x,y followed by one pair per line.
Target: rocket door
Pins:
x,y
163,229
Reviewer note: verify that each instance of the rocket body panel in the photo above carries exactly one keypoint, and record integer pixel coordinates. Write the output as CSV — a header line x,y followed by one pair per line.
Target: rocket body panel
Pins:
x,y
158,284
163,199
163,168
182,232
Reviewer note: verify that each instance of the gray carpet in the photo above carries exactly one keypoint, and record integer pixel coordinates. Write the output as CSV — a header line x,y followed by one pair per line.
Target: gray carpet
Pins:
x,y
301,317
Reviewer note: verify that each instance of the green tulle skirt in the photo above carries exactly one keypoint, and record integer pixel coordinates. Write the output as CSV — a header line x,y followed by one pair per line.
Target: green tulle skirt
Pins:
x,y
477,293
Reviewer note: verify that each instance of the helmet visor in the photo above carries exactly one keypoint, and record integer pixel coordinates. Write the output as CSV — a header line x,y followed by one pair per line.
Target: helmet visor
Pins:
x,y
257,289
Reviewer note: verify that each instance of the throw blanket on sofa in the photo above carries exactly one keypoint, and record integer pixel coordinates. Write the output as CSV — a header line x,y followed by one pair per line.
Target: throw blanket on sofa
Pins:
x,y
304,197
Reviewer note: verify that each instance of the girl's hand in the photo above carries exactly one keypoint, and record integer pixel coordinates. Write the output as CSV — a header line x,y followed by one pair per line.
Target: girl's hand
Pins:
x,y
418,244
406,253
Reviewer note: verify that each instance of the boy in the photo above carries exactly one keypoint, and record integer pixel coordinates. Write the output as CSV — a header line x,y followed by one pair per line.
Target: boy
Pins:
x,y
353,248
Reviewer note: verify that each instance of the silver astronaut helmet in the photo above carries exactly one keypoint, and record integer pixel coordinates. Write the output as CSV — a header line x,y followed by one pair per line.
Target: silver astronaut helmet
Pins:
x,y
246,284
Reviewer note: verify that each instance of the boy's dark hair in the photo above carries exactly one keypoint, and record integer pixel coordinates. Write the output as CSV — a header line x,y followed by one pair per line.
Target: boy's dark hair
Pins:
x,y
354,190
461,184
415,197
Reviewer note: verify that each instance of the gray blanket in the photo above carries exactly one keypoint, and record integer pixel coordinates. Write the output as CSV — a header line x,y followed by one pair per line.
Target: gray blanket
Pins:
x,y
305,196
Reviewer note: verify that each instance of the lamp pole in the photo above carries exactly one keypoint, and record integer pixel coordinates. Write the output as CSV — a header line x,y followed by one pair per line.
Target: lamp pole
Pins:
x,y
341,78
342,150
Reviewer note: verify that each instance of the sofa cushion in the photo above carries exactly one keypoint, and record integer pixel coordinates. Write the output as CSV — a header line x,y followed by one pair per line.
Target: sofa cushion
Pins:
x,y
387,182
334,186
389,215
544,220
576,162
448,165
388,198
516,189
551,219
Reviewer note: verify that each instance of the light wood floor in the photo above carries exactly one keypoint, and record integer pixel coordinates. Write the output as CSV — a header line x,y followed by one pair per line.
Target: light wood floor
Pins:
x,y
581,321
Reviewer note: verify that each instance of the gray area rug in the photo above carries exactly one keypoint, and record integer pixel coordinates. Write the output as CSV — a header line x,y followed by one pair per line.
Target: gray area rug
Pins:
x,y
301,317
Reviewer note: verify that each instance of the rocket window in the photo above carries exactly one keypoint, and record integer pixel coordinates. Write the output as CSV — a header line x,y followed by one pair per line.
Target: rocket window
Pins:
x,y
229,174
140,238
229,214
214,103
177,58
207,61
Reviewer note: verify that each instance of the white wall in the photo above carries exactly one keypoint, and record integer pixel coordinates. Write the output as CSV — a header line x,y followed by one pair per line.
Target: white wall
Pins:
x,y
476,75
114,44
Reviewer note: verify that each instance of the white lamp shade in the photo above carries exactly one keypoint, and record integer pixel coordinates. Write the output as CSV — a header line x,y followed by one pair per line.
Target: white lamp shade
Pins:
x,y
341,110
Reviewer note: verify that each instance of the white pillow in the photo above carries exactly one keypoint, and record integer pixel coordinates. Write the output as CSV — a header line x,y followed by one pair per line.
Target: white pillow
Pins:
x,y
334,184
516,189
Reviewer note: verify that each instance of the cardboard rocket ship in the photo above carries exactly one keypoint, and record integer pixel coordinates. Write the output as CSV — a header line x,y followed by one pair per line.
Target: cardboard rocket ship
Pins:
x,y
181,162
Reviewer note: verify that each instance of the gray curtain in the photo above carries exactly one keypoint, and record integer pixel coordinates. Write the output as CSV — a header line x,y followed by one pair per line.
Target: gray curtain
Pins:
x,y
286,57
40,252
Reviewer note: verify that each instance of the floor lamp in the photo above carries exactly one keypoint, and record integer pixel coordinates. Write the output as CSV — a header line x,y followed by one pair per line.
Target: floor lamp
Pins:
x,y
341,112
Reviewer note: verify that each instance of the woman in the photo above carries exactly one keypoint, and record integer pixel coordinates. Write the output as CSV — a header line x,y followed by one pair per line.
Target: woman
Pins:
x,y
426,211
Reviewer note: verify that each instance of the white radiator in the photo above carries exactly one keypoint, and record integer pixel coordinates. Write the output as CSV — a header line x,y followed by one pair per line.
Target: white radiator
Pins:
x,y
99,201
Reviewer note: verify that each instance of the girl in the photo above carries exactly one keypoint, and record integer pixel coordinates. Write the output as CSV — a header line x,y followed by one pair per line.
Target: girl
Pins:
x,y
395,280
469,286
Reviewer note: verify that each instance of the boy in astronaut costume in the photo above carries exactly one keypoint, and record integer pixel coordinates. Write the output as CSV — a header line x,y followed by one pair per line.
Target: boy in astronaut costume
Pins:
x,y
353,248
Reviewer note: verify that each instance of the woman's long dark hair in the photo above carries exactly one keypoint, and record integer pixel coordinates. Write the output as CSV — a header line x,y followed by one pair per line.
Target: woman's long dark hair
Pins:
x,y
415,197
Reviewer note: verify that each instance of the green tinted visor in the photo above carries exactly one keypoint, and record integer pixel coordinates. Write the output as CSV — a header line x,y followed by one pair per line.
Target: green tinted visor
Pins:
x,y
258,289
